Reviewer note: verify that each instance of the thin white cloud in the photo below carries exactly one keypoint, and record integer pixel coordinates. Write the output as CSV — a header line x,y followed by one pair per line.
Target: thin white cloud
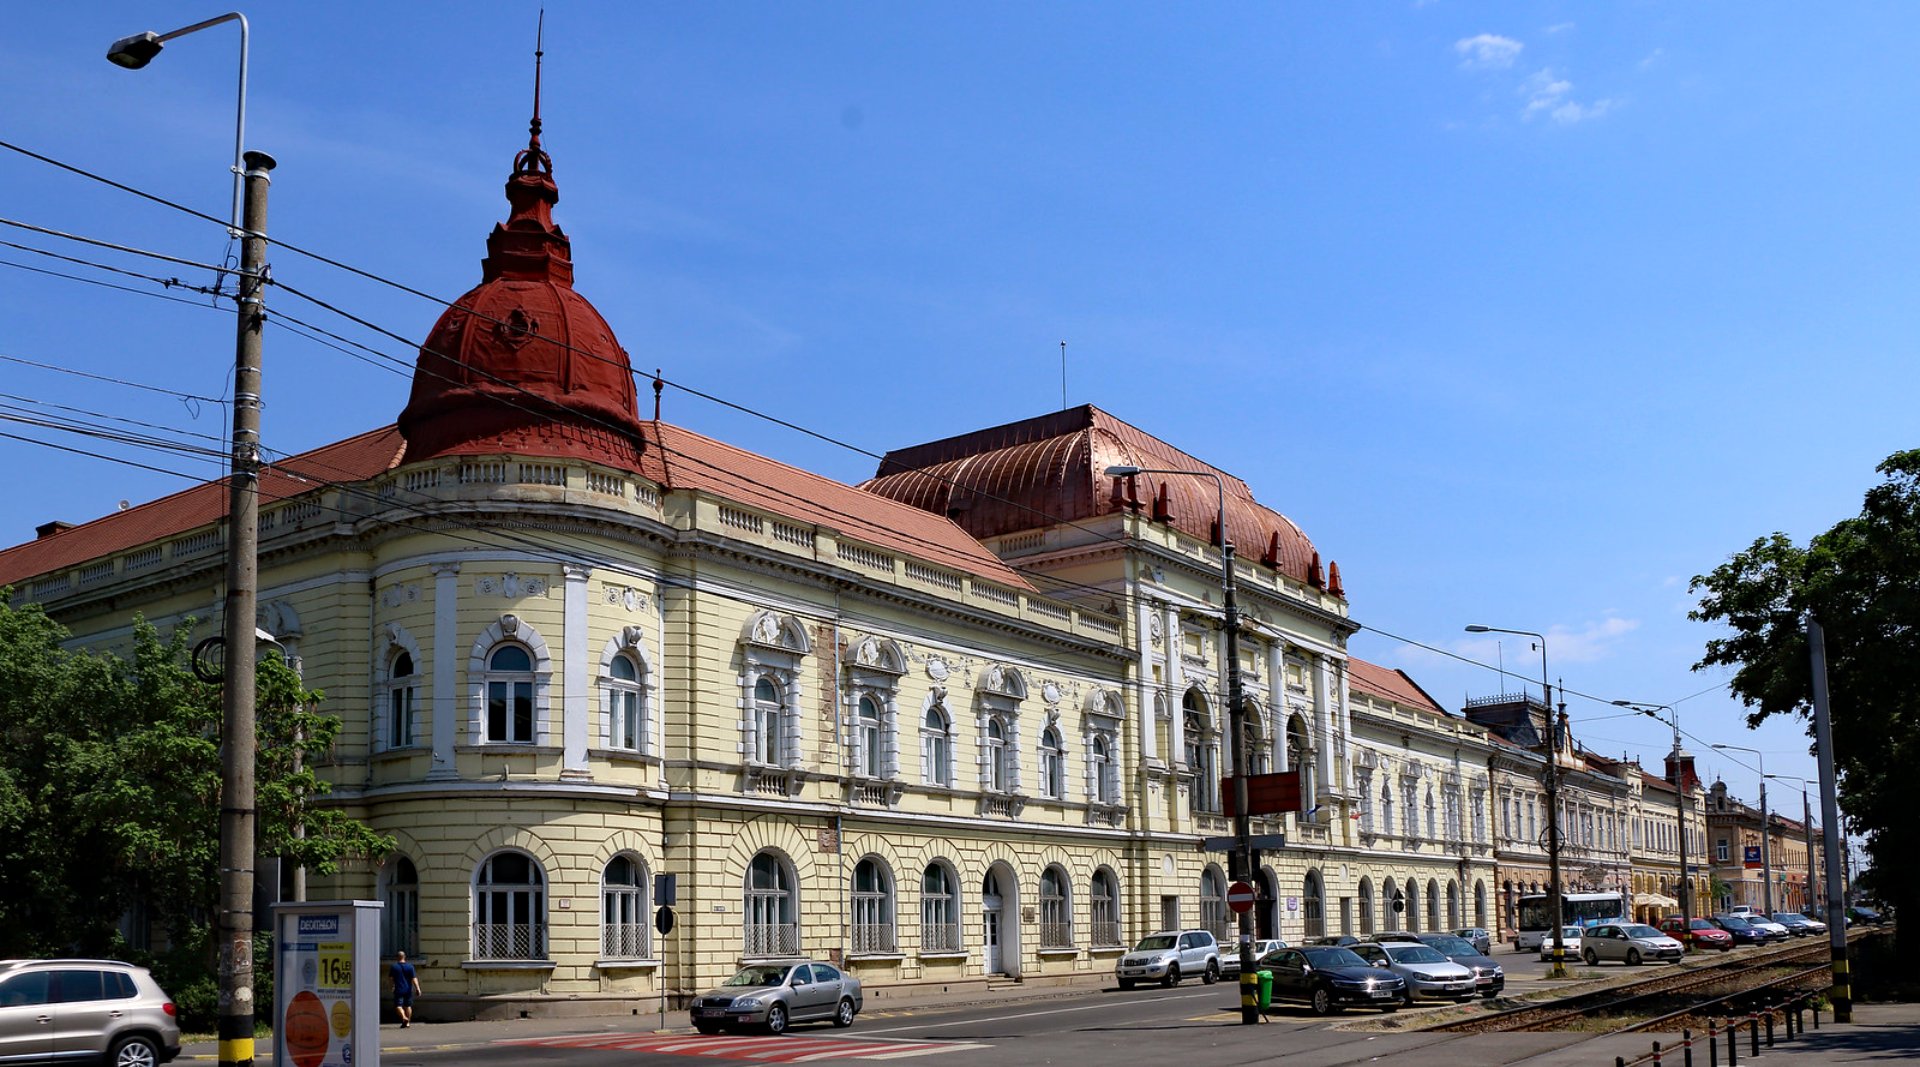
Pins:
x,y
1591,643
1653,57
1487,51
1550,95
1559,27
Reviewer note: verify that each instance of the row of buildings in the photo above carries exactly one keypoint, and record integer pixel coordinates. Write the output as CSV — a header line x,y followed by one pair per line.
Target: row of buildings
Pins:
x,y
960,723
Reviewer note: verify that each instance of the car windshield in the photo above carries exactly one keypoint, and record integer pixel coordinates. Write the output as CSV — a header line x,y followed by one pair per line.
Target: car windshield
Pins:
x,y
1642,931
1404,953
1453,946
769,974
1155,942
1732,922
1333,957
1789,917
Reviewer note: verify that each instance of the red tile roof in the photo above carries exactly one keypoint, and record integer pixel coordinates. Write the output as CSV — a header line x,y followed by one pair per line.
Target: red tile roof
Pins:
x,y
1394,685
674,457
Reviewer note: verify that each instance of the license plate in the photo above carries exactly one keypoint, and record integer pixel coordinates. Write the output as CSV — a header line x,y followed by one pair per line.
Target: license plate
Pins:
x,y
1380,994
712,1013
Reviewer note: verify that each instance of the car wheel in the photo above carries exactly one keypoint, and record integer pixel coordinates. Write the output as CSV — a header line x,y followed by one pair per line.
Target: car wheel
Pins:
x,y
135,1050
708,1029
1633,957
843,1015
777,1019
1592,958
1406,996
1173,976
1126,983
1322,1002
1212,974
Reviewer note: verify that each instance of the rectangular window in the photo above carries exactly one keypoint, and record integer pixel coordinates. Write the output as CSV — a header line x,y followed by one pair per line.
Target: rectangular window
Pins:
x,y
400,717
1721,852
623,719
510,712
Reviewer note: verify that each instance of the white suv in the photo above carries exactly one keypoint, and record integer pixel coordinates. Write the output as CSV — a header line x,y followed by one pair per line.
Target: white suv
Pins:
x,y
88,1010
1168,956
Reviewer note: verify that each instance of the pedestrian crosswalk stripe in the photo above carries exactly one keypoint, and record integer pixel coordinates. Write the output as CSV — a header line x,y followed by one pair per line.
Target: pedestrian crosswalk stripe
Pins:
x,y
786,1048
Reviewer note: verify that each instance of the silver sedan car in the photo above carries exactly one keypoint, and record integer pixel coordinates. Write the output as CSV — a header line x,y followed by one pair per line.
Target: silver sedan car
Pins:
x,y
1428,974
1630,943
775,995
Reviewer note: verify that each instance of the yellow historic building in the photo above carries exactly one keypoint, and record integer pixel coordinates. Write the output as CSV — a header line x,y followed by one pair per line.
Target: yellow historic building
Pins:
x,y
963,723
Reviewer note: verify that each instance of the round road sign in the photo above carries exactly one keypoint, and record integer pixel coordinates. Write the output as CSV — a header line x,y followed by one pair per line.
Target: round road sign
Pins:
x,y
1240,897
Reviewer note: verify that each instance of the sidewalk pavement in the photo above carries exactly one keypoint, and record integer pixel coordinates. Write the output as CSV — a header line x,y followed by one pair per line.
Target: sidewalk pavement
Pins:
x,y
1878,1034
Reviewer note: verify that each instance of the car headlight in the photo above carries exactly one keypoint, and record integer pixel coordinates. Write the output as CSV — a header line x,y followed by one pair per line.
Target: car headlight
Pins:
x,y
746,1002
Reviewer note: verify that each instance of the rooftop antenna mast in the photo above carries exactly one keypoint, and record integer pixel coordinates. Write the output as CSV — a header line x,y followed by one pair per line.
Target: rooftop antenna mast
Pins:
x,y
1063,376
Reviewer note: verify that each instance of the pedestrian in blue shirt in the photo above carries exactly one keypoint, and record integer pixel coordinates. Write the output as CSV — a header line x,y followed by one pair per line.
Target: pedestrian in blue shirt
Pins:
x,y
406,986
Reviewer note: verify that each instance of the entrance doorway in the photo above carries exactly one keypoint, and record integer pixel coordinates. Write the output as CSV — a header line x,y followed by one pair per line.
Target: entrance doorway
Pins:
x,y
1000,922
1169,913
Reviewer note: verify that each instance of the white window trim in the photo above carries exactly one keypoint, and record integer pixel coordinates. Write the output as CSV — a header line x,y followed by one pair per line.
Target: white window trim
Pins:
x,y
509,629
631,641
395,640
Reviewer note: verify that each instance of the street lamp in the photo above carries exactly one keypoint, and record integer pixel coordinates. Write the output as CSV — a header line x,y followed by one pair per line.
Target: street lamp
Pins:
x,y
1806,823
138,50
1236,715
1680,802
238,742
1766,829
1557,903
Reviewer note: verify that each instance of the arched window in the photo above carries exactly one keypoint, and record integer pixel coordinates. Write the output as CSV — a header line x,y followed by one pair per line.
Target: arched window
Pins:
x,y
623,697
768,720
1386,809
1300,758
1053,765
400,919
872,750
998,764
1433,832
1254,742
936,748
772,909
1103,898
401,687
509,688
1312,905
1453,905
1392,905
939,909
1106,779
1213,902
1480,904
1433,905
873,908
1198,732
1412,916
623,910
1366,905
509,908
1056,909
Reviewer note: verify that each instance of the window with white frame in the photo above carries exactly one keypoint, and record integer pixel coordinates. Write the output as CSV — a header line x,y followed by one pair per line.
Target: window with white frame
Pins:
x,y
400,919
623,695
1253,741
1411,816
998,756
939,909
509,908
509,689
772,908
1300,758
870,747
1432,833
1386,808
1105,775
1213,902
872,929
1056,909
402,685
1053,770
1722,853
1103,900
624,926
774,648
936,747
1197,736
1479,817
768,724
1363,785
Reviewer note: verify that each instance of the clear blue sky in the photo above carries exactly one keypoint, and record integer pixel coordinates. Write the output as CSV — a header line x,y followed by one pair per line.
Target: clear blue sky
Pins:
x,y
1527,313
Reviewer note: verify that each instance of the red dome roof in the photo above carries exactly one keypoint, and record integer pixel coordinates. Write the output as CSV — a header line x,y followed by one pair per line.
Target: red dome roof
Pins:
x,y
523,363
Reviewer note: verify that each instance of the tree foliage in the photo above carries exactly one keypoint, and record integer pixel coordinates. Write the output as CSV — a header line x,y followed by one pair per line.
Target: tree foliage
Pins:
x,y
1861,580
110,789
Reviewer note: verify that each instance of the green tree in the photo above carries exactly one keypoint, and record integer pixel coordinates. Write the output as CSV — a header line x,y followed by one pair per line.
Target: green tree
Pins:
x,y
1861,580
110,791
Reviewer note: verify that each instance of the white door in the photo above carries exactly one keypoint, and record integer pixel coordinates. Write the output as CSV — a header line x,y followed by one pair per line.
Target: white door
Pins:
x,y
990,916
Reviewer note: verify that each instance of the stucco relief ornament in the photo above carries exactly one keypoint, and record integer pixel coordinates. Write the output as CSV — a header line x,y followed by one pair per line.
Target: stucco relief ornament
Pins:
x,y
1153,631
867,652
518,328
766,629
509,624
996,678
937,669
1050,693
395,595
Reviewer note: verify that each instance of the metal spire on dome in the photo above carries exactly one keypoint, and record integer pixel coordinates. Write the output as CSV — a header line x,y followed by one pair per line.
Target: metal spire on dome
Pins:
x,y
534,160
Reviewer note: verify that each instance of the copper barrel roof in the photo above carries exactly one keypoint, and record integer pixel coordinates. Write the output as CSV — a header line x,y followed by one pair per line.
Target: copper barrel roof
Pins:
x,y
1051,469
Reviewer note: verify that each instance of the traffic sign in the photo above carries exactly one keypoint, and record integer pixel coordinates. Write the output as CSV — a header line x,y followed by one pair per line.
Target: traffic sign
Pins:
x,y
663,919
1240,897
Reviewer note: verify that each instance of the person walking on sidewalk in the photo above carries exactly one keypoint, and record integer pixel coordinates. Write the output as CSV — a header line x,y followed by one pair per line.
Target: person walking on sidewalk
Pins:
x,y
406,986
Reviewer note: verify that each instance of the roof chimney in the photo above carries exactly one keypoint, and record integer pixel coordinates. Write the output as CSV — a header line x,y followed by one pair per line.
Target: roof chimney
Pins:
x,y
1680,771
48,529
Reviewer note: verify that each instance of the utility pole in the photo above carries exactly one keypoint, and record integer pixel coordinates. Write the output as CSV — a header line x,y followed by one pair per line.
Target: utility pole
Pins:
x,y
1557,905
1830,817
237,738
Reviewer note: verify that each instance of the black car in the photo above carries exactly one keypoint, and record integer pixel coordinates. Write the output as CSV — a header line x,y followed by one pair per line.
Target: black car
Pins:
x,y
1329,978
1864,915
1742,932
1488,976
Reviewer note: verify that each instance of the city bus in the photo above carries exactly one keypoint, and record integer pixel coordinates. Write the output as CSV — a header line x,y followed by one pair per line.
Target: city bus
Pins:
x,y
1581,909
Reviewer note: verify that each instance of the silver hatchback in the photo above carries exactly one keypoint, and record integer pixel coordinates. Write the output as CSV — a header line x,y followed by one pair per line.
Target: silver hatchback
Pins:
x,y
773,995
1630,943
85,1010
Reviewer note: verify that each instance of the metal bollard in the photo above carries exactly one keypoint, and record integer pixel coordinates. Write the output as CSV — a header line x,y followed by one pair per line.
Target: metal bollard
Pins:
x,y
1686,1048
1733,1043
1656,1054
1816,1015
1619,1061
1769,1014
1787,1017
1713,1044
1753,1030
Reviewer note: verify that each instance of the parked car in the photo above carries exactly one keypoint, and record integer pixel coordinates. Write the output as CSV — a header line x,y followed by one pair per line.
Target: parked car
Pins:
x,y
1797,924
1331,941
1392,935
1488,977
1778,930
1696,933
1628,943
1428,974
774,995
1328,978
1742,910
1742,931
1814,926
99,1010
1569,942
1168,956
1230,954
1479,937
1864,915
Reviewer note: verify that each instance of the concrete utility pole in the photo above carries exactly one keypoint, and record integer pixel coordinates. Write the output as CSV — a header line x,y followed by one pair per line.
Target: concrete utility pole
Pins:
x,y
1830,817
237,738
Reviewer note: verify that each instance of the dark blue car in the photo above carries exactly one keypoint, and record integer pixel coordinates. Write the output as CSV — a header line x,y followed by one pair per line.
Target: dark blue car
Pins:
x,y
1742,932
1329,978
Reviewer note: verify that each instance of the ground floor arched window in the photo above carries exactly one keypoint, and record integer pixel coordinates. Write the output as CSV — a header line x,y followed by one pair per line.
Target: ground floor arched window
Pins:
x,y
772,908
939,909
873,907
509,908
1312,906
